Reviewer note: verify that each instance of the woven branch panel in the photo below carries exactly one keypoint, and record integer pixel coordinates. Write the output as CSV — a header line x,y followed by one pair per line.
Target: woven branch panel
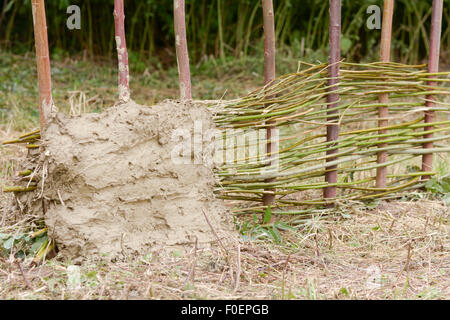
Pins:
x,y
297,105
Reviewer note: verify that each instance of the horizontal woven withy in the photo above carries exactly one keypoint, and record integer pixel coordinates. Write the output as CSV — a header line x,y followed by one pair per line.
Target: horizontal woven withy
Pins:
x,y
297,105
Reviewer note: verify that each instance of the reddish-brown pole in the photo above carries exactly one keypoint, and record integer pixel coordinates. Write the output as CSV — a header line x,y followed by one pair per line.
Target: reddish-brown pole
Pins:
x,y
269,41
43,61
182,50
332,98
269,76
433,67
122,53
383,113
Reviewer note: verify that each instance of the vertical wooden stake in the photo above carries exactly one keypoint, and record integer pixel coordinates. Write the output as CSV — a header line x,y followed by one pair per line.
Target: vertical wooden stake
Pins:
x,y
383,112
433,67
43,61
122,53
269,76
332,98
182,50
269,41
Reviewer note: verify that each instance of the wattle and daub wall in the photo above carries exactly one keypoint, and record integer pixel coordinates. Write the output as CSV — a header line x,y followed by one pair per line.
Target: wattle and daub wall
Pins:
x,y
297,104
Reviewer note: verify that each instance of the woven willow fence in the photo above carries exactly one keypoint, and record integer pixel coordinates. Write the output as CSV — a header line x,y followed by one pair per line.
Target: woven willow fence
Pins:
x,y
296,105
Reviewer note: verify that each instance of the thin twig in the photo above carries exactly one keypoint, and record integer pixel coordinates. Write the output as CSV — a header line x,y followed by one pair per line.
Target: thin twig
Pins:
x,y
214,232
408,260
238,269
284,275
191,274
23,275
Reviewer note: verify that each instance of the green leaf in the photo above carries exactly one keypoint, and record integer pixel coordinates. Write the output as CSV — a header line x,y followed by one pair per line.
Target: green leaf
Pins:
x,y
267,215
445,185
346,44
4,236
19,236
344,291
177,254
8,243
438,185
148,257
283,226
262,274
34,113
433,186
275,234
447,199
9,6
38,243
261,233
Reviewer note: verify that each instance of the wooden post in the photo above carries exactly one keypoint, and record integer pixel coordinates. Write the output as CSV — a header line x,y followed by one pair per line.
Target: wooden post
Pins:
x,y
122,53
269,41
332,98
43,61
433,67
182,50
269,76
383,112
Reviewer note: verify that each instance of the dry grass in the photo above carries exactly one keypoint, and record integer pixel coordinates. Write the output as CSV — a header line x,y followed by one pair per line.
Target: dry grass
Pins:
x,y
398,251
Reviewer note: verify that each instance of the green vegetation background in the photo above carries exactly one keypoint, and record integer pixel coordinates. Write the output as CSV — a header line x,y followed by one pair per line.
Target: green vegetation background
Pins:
x,y
221,28
225,44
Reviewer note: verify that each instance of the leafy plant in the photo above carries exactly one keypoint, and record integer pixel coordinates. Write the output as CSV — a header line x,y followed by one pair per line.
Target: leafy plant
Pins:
x,y
440,187
253,230
23,245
